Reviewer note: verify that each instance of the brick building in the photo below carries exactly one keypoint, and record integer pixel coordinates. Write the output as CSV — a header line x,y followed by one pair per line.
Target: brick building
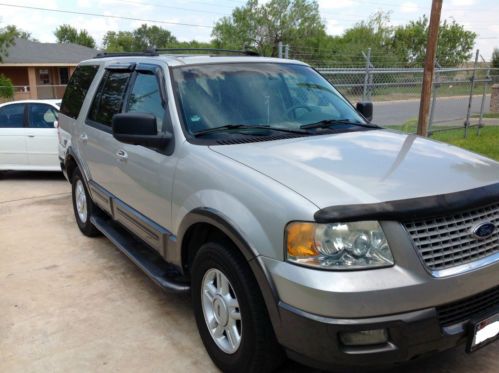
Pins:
x,y
41,70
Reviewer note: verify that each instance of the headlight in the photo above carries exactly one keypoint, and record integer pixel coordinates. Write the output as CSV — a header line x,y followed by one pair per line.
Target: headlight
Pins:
x,y
339,246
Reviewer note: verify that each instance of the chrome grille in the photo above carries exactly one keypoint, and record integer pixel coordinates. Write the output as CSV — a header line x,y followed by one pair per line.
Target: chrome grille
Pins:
x,y
447,241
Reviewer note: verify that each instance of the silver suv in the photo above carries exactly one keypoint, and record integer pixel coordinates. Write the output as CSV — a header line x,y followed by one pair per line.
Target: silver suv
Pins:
x,y
299,228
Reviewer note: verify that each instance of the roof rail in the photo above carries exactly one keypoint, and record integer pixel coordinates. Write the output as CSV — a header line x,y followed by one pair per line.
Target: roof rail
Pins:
x,y
148,53
228,51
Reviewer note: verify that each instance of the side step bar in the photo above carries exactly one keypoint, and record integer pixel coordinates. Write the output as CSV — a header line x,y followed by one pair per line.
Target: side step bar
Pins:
x,y
148,260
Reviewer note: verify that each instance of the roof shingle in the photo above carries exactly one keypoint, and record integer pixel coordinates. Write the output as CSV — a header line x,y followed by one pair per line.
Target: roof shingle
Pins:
x,y
29,52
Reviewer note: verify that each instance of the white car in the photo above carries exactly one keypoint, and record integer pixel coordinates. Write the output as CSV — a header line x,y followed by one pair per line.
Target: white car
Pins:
x,y
28,135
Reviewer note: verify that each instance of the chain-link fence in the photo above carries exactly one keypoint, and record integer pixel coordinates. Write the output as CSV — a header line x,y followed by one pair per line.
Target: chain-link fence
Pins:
x,y
460,96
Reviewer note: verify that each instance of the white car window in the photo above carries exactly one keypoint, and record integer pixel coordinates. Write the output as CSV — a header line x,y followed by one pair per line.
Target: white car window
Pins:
x,y
42,116
12,116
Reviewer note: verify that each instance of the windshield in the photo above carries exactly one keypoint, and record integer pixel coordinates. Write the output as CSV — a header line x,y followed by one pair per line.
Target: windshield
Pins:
x,y
264,94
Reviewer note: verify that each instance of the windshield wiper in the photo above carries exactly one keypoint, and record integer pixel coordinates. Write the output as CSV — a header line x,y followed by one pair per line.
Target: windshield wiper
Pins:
x,y
245,126
329,122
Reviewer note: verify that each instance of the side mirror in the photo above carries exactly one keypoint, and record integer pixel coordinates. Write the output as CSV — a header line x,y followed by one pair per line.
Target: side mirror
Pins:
x,y
366,109
139,129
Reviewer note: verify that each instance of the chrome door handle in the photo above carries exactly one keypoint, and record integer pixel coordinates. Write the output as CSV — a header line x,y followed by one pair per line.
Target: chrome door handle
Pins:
x,y
121,155
84,138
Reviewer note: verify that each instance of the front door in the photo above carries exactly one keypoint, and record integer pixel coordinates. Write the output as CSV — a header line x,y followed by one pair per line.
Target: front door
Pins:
x,y
145,176
13,150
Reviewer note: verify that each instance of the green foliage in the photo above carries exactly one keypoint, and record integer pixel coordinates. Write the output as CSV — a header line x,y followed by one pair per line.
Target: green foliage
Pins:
x,y
6,87
69,34
140,39
495,60
263,26
19,33
6,40
455,44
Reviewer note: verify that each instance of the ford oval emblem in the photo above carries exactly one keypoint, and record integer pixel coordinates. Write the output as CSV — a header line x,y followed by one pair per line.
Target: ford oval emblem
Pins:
x,y
483,230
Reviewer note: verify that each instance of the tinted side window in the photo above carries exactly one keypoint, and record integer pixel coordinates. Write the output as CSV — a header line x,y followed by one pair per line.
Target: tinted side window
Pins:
x,y
77,90
12,116
42,116
109,97
145,97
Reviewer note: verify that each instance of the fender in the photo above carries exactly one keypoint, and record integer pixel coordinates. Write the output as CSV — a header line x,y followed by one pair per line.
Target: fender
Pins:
x,y
71,153
265,283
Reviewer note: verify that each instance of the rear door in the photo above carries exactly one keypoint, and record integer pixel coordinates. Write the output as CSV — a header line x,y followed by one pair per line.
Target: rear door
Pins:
x,y
42,136
13,148
96,141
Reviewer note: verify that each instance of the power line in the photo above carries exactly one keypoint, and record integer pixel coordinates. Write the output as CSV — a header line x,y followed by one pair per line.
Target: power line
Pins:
x,y
104,15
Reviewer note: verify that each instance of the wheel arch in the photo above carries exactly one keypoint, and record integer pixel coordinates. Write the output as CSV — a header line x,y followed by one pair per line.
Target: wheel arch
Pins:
x,y
203,224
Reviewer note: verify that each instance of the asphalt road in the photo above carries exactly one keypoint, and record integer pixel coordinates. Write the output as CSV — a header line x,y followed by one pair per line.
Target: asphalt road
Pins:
x,y
448,108
69,303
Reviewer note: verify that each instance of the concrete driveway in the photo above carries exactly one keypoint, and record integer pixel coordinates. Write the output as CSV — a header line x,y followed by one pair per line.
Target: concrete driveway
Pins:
x,y
74,304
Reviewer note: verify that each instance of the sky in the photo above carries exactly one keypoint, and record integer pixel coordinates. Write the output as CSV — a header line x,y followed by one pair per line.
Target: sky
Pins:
x,y
193,19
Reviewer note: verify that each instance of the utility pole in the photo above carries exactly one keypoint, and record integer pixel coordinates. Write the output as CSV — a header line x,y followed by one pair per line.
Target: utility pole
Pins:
x,y
429,67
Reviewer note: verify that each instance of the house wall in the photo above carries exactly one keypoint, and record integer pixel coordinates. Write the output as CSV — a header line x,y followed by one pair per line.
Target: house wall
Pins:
x,y
29,85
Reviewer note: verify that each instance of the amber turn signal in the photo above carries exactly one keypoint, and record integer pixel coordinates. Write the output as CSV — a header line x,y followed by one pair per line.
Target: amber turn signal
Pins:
x,y
300,240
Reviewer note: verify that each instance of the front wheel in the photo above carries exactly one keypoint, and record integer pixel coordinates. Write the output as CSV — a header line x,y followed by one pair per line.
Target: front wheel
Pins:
x,y
230,313
83,206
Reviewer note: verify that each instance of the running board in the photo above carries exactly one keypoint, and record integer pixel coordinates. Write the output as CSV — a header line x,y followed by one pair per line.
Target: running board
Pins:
x,y
146,258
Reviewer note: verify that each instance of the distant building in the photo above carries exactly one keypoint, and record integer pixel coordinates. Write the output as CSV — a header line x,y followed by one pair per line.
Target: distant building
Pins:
x,y
42,70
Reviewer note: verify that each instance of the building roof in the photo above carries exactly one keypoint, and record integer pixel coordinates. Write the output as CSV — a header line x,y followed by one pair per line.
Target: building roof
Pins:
x,y
26,52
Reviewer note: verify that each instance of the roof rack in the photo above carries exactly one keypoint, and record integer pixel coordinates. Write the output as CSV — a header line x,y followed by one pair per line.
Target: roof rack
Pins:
x,y
228,51
148,53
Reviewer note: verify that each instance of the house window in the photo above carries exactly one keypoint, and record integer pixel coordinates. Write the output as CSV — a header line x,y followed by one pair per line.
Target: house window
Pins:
x,y
64,75
44,76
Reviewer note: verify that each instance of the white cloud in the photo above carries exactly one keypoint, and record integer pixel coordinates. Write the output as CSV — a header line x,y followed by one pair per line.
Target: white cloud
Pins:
x,y
462,2
333,4
409,7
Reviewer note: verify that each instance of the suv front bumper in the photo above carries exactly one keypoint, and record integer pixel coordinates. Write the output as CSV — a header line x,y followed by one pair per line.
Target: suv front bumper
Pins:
x,y
315,340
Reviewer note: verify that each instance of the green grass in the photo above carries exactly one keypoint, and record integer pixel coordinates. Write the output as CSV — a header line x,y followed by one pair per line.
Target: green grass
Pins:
x,y
486,144
487,115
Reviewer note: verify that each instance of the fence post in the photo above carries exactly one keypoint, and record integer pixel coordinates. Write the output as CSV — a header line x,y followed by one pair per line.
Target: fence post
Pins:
x,y
436,85
470,101
279,49
482,105
286,51
365,93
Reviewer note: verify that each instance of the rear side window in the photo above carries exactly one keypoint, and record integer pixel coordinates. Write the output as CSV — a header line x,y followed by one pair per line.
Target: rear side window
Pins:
x,y
77,90
42,116
12,116
109,98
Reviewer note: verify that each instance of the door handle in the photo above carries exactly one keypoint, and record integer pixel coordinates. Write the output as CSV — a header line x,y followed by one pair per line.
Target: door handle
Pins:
x,y
84,138
31,135
121,155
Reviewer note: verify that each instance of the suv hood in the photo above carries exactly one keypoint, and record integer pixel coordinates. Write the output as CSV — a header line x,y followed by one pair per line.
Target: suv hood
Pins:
x,y
365,167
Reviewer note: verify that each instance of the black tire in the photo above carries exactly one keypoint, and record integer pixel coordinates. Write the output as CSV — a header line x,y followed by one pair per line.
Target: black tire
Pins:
x,y
86,227
259,350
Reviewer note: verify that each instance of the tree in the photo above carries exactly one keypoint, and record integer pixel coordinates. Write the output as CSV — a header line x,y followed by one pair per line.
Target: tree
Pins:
x,y
69,34
375,34
263,26
6,87
140,39
152,37
455,44
495,58
19,33
121,41
6,40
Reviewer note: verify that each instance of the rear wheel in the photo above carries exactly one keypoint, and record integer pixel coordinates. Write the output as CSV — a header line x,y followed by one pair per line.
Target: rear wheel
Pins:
x,y
83,206
230,313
